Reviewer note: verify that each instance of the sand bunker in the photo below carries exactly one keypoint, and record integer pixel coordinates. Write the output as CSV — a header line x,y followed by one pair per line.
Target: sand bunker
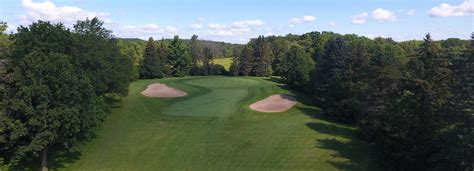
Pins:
x,y
274,103
161,90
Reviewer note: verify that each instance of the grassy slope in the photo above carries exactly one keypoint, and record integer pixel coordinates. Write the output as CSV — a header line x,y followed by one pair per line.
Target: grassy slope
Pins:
x,y
224,62
137,136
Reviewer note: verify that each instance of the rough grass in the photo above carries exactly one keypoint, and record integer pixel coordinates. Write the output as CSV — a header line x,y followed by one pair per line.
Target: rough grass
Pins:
x,y
213,129
224,62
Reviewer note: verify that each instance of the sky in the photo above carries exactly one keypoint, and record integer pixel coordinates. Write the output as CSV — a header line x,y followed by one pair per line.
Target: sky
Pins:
x,y
238,21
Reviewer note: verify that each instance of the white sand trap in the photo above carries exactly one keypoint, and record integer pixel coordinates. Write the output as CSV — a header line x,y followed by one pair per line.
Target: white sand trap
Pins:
x,y
274,103
161,90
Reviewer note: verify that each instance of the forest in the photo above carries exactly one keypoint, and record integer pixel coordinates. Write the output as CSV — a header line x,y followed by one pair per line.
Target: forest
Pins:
x,y
412,100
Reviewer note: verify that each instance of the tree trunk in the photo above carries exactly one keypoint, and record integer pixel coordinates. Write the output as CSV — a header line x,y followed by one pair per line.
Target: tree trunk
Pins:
x,y
44,159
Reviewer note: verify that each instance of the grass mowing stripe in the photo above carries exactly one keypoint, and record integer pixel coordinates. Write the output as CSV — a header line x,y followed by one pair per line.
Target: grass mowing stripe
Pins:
x,y
139,136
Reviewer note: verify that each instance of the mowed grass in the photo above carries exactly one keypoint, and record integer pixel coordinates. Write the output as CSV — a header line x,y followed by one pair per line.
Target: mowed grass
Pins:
x,y
213,129
224,62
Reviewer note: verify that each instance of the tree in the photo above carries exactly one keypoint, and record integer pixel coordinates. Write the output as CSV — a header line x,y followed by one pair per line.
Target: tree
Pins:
x,y
333,84
234,68
151,66
50,103
4,50
98,56
262,58
196,51
414,119
207,61
456,142
246,58
299,66
179,57
279,50
382,78
162,52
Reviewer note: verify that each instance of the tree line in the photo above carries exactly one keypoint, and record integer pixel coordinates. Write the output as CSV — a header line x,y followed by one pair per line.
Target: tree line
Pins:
x,y
55,86
163,59
413,100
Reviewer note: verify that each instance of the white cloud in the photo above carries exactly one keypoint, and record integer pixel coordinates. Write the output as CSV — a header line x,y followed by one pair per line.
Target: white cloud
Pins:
x,y
196,26
145,31
359,18
247,23
411,12
308,18
299,20
227,32
332,24
445,10
382,15
47,10
217,26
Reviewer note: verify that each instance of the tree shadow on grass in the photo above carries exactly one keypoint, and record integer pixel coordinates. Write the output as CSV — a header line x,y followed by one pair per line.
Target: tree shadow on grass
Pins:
x,y
57,159
112,100
355,153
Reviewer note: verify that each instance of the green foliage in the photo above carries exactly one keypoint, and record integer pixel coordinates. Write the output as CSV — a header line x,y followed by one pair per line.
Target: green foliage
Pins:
x,y
234,65
152,65
48,104
56,81
207,59
332,81
411,121
279,49
456,142
98,56
262,58
298,67
133,50
216,69
179,58
196,50
246,58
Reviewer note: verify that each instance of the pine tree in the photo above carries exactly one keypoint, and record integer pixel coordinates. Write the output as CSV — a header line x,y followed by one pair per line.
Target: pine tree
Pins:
x,y
262,58
246,58
279,50
162,52
151,64
235,65
414,119
207,60
179,57
332,82
196,51
383,78
457,139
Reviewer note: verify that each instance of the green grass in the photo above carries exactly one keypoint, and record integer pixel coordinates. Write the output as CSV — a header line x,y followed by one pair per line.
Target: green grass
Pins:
x,y
213,129
224,62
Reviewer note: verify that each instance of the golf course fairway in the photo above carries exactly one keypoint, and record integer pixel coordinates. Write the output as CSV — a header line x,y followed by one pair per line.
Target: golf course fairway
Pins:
x,y
213,128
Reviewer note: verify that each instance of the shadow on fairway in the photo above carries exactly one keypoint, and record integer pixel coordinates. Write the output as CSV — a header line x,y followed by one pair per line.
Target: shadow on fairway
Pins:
x,y
57,159
350,150
347,146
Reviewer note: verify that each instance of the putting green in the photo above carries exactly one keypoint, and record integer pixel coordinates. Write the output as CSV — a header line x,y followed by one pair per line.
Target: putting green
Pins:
x,y
222,99
214,129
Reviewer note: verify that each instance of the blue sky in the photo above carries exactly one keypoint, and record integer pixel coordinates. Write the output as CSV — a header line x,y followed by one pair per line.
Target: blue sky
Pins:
x,y
238,21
